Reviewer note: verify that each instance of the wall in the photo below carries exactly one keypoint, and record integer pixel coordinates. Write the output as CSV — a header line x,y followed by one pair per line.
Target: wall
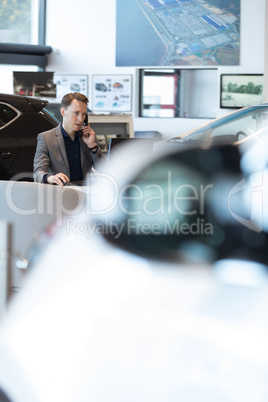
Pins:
x,y
196,84
83,40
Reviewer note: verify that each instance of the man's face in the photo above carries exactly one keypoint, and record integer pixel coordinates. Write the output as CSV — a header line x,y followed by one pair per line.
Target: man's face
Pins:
x,y
73,116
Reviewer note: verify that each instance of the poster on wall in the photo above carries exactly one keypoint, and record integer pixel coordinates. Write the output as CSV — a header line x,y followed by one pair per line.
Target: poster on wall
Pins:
x,y
241,90
177,32
70,83
34,83
112,93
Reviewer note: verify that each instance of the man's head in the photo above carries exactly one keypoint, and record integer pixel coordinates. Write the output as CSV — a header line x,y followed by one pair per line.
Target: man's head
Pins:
x,y
68,98
73,110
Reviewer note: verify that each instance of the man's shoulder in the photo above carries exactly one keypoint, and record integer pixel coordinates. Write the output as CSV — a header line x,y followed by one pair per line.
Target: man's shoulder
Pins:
x,y
51,132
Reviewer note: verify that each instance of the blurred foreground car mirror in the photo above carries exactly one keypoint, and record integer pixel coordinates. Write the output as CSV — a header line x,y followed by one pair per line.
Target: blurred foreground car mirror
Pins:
x,y
186,206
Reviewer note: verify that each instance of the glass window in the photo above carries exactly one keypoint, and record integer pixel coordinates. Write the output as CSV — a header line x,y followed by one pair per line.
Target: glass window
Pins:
x,y
189,93
6,114
240,124
159,92
247,124
19,21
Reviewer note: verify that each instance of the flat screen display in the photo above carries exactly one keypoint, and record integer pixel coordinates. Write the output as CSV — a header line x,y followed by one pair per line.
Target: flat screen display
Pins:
x,y
240,90
115,143
34,83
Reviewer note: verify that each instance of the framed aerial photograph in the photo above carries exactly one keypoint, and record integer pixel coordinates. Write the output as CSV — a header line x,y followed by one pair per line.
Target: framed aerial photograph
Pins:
x,y
177,33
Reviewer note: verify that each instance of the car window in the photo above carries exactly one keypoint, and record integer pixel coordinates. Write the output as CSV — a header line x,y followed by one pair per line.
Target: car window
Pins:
x,y
246,125
241,124
7,114
54,109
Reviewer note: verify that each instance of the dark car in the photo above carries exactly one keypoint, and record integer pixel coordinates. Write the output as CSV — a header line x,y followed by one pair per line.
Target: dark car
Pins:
x,y
100,87
21,120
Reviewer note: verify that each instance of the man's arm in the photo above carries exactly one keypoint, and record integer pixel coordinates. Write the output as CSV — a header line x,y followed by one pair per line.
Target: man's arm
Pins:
x,y
41,160
42,171
96,155
89,138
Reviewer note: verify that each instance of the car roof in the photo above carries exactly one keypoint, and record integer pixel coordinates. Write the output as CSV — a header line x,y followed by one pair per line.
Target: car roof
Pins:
x,y
23,103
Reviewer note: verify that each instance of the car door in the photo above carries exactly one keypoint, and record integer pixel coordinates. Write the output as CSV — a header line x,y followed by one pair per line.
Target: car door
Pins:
x,y
9,146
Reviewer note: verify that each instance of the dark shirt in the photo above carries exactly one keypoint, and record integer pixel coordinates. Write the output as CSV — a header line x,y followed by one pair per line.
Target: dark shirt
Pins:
x,y
73,155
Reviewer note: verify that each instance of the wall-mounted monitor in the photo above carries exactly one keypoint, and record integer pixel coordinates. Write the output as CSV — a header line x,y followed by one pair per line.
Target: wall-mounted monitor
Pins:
x,y
112,93
240,90
34,83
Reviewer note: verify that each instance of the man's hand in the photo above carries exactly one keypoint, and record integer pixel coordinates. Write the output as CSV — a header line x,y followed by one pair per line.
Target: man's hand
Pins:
x,y
59,178
89,136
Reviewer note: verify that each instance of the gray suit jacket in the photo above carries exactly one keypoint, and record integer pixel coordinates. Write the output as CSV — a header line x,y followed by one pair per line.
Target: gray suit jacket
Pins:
x,y
51,157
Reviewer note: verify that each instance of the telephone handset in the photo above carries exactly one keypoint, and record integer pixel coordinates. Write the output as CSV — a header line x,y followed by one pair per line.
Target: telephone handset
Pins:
x,y
84,124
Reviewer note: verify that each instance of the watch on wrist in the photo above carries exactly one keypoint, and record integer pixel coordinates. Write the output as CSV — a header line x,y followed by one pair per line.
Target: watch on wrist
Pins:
x,y
94,148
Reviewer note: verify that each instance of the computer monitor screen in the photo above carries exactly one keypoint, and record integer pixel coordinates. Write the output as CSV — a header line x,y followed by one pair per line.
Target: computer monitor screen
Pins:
x,y
240,90
116,143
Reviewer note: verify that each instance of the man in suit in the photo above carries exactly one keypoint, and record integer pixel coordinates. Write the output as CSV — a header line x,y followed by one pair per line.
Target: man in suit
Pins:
x,y
69,151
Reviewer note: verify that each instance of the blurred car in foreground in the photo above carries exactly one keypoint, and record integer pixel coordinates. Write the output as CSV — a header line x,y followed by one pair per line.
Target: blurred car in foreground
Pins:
x,y
155,291
241,127
27,211
21,120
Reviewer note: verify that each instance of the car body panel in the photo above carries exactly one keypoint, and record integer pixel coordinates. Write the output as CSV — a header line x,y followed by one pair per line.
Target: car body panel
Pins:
x,y
8,145
19,135
165,332
23,103
31,209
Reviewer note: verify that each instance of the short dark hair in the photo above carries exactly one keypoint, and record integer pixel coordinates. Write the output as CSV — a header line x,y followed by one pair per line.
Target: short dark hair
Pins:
x,y
68,98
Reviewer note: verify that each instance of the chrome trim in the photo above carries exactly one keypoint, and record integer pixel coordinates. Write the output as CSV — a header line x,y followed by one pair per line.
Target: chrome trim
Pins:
x,y
15,110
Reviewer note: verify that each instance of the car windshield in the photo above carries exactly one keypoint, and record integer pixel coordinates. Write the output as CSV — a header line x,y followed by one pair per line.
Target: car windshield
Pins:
x,y
51,115
240,124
